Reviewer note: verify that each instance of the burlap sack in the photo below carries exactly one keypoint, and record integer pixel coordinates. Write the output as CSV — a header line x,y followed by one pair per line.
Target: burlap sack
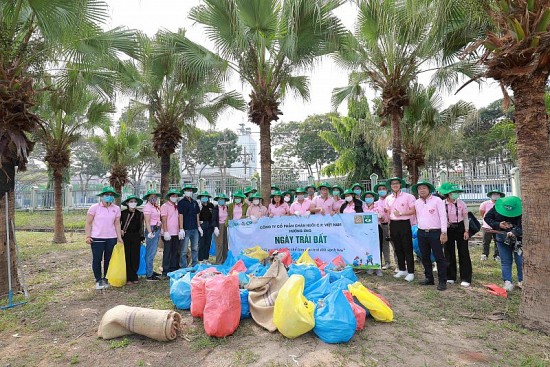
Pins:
x,y
161,325
262,293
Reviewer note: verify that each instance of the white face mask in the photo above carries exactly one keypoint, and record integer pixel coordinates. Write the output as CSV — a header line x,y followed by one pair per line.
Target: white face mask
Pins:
x,y
300,197
349,198
495,197
287,199
132,205
174,199
188,193
256,201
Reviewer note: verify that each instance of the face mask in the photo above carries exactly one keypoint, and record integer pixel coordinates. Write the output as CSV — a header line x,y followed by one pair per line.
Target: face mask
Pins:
x,y
287,199
204,199
349,198
153,200
173,199
311,193
132,204
188,193
221,202
237,201
382,192
300,197
495,197
336,193
256,201
454,195
108,198
369,200
357,192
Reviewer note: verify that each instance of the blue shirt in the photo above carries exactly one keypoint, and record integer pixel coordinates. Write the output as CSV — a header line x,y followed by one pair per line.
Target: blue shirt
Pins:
x,y
189,208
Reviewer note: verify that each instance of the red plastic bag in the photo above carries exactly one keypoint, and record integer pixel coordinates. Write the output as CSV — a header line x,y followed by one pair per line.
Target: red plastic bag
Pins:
x,y
239,267
283,255
222,312
338,261
198,297
320,263
358,311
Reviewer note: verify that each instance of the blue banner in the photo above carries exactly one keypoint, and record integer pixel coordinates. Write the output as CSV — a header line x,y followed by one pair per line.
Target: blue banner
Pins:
x,y
353,236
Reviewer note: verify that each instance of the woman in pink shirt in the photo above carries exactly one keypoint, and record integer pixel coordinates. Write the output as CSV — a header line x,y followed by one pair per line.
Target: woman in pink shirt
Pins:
x,y
169,217
256,210
277,207
301,206
221,212
351,203
484,208
153,225
338,197
370,206
102,233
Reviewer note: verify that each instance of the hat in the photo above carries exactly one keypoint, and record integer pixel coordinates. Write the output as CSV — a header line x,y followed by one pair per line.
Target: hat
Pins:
x,y
403,183
273,187
256,195
419,183
291,195
277,193
172,192
324,184
239,194
381,183
108,189
203,193
189,187
509,206
301,190
312,186
249,189
496,192
349,191
372,193
150,192
447,187
139,201
357,184
221,196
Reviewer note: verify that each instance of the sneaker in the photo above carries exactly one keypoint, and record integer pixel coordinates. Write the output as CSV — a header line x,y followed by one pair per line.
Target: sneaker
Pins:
x,y
442,286
450,281
153,278
465,284
396,270
156,274
99,284
434,270
105,283
400,274
370,271
520,285
427,282
409,277
508,286
379,273
483,257
386,267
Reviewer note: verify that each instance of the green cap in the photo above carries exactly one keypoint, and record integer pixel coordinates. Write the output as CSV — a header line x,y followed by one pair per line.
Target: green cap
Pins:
x,y
403,183
239,194
256,195
426,183
372,193
108,189
203,193
139,201
509,206
349,191
277,193
381,183
447,187
221,196
273,187
189,187
301,190
249,189
310,186
172,192
150,192
496,192
357,184
324,184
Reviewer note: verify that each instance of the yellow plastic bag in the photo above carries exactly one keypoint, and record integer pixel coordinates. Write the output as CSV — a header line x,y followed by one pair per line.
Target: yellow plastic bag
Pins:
x,y
293,313
377,308
256,252
306,259
116,273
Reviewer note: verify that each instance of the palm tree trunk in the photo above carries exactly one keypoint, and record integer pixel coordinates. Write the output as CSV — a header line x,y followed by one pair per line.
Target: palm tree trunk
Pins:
x,y
7,179
59,229
533,152
265,158
164,173
397,163
414,173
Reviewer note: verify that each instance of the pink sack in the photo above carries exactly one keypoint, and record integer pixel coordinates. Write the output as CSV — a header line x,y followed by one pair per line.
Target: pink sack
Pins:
x,y
198,298
222,311
239,267
283,255
338,261
358,311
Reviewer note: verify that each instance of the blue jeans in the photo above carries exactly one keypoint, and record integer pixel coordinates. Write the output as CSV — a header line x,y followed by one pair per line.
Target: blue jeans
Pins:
x,y
151,245
507,254
102,248
193,236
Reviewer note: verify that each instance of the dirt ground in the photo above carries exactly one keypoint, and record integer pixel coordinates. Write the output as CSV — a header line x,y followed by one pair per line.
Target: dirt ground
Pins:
x,y
58,325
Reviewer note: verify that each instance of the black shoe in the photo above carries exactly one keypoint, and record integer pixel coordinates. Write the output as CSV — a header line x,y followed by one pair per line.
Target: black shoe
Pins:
x,y
442,287
155,274
153,278
427,282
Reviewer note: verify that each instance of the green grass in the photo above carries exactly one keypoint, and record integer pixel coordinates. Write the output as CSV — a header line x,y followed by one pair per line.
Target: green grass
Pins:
x,y
45,219
122,343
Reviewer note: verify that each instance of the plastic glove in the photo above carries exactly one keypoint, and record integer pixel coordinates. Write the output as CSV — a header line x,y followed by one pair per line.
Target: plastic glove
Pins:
x,y
216,232
167,236
297,213
253,218
150,235
307,214
200,231
181,234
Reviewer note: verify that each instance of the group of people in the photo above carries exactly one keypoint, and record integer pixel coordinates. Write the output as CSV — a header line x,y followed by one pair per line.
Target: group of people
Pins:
x,y
183,222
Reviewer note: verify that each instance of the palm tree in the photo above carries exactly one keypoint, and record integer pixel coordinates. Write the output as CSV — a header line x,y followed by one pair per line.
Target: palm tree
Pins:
x,y
34,35
268,42
178,82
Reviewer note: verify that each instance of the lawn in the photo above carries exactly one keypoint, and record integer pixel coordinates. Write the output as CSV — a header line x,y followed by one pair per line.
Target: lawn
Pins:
x,y
58,325
74,219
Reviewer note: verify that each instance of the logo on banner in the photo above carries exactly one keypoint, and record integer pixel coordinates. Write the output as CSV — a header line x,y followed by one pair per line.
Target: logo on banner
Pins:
x,y
362,219
240,223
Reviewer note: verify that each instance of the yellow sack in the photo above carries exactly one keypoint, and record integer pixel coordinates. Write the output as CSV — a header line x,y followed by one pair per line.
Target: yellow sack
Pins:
x,y
306,259
256,252
377,308
116,272
293,313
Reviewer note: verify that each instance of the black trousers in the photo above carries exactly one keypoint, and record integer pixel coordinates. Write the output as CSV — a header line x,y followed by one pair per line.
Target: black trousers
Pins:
x,y
487,237
132,246
430,242
456,239
401,236
171,254
205,241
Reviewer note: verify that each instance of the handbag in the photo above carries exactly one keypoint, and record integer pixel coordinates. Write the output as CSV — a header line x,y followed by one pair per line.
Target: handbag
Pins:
x,y
474,226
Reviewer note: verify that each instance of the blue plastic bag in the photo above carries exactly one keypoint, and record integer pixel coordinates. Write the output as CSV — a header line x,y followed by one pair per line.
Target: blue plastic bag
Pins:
x,y
347,272
212,248
416,246
230,260
334,319
248,261
175,275
257,270
341,285
141,270
243,279
295,255
245,308
318,290
311,273
180,292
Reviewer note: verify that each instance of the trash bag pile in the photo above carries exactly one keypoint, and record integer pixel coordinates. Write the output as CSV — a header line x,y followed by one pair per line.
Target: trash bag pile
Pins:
x,y
280,290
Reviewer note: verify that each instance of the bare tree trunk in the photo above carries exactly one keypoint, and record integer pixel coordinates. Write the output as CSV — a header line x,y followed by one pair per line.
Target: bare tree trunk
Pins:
x,y
265,158
414,173
59,228
7,179
164,173
533,152
397,163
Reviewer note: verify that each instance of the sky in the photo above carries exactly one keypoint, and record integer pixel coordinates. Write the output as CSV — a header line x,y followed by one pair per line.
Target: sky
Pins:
x,y
151,15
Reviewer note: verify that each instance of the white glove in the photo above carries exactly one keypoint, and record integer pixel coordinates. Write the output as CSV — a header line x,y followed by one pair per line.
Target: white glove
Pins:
x,y
150,235
216,232
254,219
200,231
307,214
167,236
297,213
181,234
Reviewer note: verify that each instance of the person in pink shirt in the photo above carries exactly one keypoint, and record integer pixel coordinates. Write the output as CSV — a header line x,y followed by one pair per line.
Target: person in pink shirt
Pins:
x,y
277,207
153,226
458,233
369,206
170,227
237,209
397,205
351,203
432,232
338,197
384,220
301,206
323,204
102,230
484,208
220,231
256,210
